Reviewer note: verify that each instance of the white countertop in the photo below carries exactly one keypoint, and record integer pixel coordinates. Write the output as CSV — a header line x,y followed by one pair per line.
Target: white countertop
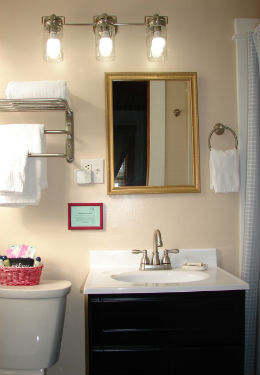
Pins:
x,y
104,264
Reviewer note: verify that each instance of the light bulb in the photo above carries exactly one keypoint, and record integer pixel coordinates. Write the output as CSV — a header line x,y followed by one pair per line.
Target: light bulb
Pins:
x,y
53,48
105,44
158,44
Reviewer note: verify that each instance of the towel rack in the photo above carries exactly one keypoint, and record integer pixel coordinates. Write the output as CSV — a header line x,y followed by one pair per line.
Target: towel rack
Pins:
x,y
34,105
219,129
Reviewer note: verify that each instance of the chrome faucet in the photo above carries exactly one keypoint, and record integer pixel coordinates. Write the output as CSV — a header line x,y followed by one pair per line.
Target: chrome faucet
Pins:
x,y
156,264
157,242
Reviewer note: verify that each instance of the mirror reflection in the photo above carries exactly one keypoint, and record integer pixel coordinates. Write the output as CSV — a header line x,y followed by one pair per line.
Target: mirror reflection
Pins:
x,y
152,133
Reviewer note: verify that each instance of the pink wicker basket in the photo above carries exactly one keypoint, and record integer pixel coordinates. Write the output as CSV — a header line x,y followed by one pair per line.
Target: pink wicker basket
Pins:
x,y
20,275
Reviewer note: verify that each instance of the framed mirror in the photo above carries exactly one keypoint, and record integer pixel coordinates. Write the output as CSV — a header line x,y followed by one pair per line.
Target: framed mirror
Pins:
x,y
152,133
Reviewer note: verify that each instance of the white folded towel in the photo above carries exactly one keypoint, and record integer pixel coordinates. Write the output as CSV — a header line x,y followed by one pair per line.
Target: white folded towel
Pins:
x,y
37,89
224,171
32,135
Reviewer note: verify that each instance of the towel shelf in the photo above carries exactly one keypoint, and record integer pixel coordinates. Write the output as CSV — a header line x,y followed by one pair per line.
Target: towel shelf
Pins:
x,y
219,129
40,105
24,105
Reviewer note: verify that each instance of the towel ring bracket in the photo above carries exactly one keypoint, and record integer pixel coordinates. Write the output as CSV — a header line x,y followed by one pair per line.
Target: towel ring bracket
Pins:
x,y
219,129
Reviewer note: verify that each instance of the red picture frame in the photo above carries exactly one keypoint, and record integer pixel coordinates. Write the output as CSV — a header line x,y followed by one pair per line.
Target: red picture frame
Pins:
x,y
85,216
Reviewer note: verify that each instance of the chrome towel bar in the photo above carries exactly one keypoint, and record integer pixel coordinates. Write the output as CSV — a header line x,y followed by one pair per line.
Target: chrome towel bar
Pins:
x,y
40,105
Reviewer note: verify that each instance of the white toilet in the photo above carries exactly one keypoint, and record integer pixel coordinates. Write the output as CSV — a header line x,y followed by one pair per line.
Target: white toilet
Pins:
x,y
31,325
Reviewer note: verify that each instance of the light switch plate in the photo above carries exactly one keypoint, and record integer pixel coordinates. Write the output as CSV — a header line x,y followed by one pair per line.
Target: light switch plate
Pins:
x,y
96,167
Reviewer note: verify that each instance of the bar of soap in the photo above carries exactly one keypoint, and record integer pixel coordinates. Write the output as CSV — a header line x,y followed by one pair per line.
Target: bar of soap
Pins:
x,y
198,264
195,266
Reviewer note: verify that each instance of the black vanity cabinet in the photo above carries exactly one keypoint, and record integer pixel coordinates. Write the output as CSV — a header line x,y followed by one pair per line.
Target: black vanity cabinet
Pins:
x,y
166,333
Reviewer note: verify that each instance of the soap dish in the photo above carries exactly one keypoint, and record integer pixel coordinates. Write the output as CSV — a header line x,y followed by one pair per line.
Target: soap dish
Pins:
x,y
195,266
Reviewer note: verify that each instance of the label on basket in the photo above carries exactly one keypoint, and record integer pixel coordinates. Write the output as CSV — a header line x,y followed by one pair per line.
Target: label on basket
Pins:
x,y
19,265
21,262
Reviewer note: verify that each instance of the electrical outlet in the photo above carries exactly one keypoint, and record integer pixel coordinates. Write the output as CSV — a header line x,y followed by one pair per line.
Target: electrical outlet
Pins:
x,y
96,167
87,166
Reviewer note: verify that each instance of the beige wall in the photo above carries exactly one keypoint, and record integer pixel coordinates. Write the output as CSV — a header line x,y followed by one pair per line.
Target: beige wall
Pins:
x,y
200,39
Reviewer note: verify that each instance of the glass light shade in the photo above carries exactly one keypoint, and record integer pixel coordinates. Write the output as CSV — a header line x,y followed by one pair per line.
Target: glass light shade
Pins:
x,y
156,43
53,44
53,47
105,42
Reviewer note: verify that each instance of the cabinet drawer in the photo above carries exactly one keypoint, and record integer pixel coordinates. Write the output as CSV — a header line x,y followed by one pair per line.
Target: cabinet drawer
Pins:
x,y
205,318
195,361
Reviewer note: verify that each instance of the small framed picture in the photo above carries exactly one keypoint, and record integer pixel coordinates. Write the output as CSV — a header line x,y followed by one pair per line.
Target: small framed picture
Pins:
x,y
85,216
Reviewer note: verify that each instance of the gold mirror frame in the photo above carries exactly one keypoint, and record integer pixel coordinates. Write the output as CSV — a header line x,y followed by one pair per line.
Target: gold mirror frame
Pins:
x,y
192,79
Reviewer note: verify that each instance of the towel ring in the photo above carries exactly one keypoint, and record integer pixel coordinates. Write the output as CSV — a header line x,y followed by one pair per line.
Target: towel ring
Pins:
x,y
219,129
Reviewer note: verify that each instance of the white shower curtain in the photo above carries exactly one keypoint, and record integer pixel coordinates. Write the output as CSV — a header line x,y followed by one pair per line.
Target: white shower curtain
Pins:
x,y
251,244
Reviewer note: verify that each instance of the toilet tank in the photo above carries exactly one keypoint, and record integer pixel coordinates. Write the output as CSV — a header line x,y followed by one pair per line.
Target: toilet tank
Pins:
x,y
31,324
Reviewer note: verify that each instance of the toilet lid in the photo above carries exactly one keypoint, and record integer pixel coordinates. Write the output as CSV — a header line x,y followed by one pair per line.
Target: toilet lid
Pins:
x,y
46,289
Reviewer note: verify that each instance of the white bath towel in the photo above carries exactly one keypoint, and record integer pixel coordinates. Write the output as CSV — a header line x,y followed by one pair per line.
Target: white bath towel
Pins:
x,y
35,170
37,89
224,171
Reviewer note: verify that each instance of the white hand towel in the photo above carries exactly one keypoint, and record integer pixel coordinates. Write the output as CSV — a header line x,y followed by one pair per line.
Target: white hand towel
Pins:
x,y
37,89
13,159
35,171
14,147
224,171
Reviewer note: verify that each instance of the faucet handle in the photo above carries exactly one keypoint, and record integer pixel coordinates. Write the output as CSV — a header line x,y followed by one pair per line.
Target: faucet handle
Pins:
x,y
135,251
166,259
144,259
175,251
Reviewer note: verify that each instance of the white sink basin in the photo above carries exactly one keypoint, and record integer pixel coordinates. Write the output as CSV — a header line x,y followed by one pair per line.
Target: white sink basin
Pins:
x,y
161,277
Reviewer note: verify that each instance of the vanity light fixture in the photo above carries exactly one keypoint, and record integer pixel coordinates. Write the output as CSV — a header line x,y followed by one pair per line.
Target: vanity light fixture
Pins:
x,y
156,37
105,28
52,38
